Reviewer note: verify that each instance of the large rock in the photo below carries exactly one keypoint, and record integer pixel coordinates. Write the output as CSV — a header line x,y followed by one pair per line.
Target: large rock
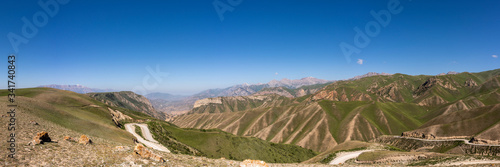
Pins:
x,y
118,116
84,140
145,153
40,138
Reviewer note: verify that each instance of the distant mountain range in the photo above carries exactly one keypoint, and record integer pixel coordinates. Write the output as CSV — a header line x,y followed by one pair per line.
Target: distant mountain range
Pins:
x,y
176,104
447,106
164,96
370,74
449,73
77,88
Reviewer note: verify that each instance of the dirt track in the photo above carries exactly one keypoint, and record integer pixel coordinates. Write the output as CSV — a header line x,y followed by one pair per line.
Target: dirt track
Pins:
x,y
150,142
344,156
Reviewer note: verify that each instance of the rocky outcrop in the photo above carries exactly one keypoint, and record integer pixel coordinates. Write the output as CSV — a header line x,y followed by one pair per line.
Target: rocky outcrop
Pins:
x,y
118,116
202,102
145,153
470,83
253,163
426,86
40,138
418,135
84,140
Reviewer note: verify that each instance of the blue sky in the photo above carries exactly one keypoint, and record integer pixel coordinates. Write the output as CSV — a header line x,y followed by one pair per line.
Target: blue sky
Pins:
x,y
109,45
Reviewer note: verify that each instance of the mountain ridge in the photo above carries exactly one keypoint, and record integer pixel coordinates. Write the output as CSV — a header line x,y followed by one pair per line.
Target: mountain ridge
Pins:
x,y
76,88
364,109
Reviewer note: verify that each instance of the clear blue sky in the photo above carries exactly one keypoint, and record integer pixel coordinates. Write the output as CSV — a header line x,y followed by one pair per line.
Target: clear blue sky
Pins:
x,y
105,44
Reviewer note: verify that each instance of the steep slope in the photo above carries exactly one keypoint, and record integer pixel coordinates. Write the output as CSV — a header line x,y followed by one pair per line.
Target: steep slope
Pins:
x,y
361,109
477,115
318,126
128,100
76,112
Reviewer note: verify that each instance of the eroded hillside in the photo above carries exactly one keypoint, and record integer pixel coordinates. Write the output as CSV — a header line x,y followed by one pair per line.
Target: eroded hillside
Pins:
x,y
360,109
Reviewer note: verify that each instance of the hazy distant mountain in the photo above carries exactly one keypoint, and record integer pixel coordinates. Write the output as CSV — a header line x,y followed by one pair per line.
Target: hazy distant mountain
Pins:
x,y
296,83
368,75
164,96
246,89
167,103
77,88
449,73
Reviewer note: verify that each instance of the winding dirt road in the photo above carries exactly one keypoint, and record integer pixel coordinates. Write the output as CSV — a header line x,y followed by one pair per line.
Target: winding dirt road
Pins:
x,y
344,156
149,141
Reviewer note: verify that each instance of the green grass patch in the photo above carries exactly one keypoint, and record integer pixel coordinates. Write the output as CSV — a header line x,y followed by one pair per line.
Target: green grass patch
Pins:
x,y
138,130
217,144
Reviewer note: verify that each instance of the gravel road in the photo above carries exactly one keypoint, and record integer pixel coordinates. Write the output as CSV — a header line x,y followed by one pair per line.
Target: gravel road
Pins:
x,y
149,141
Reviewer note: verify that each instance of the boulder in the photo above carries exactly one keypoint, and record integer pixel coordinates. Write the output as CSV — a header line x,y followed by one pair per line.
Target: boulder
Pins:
x,y
253,163
32,122
145,153
40,138
84,140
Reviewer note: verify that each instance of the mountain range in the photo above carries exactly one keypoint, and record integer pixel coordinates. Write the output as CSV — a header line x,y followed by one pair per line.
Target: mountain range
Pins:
x,y
363,109
284,87
77,88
